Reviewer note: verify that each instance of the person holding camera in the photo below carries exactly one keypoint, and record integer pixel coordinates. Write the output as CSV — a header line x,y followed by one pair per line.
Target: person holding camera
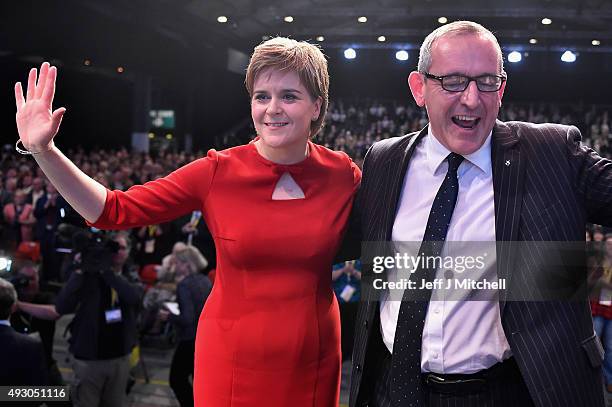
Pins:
x,y
105,299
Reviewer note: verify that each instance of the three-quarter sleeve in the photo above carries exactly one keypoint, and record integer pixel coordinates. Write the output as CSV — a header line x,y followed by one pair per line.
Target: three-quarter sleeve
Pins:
x,y
162,200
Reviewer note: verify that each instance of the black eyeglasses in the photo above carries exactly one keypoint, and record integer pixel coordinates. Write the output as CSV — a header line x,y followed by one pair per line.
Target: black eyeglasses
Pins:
x,y
459,83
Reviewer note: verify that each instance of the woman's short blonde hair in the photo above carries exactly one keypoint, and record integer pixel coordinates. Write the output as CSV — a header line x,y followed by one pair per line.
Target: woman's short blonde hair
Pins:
x,y
196,260
306,59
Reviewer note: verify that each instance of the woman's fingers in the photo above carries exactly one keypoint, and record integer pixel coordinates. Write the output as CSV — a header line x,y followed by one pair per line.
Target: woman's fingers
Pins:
x,y
31,91
56,119
49,83
42,79
19,101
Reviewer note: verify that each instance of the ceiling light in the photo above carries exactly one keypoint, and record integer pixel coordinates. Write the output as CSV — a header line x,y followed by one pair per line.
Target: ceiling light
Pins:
x,y
222,19
443,20
568,56
514,57
596,42
320,38
546,21
401,55
288,19
362,19
350,53
382,38
533,41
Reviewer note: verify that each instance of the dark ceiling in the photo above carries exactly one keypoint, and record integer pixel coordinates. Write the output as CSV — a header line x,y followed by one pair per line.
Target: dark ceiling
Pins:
x,y
153,32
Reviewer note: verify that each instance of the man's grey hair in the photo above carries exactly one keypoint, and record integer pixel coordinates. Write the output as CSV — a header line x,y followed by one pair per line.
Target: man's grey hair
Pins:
x,y
8,297
455,28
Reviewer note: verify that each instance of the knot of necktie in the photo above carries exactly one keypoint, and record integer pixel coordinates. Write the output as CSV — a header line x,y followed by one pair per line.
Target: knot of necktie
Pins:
x,y
454,160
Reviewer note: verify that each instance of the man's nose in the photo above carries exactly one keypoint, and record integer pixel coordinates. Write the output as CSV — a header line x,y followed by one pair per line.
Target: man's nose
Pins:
x,y
470,97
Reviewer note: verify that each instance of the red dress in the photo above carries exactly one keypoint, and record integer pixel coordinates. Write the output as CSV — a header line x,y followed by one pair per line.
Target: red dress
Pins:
x,y
269,334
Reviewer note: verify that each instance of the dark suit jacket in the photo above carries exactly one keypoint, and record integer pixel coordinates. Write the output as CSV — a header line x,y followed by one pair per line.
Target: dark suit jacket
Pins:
x,y
22,359
546,187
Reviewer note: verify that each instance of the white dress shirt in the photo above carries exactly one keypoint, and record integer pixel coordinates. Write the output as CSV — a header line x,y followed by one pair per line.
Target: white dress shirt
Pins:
x,y
459,336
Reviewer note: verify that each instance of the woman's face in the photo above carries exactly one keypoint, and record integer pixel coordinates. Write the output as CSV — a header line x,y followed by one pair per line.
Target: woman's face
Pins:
x,y
282,110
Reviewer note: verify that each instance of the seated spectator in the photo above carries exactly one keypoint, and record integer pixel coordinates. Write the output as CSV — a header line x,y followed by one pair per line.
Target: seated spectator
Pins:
x,y
19,217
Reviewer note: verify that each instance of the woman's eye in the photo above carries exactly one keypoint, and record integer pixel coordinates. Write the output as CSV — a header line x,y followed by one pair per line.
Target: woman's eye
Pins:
x,y
261,97
290,96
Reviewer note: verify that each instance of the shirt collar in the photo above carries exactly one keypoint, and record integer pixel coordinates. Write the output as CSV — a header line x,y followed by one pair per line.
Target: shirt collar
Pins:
x,y
437,153
5,322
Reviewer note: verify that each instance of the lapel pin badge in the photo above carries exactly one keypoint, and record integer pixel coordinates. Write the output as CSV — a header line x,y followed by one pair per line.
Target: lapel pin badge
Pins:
x,y
507,163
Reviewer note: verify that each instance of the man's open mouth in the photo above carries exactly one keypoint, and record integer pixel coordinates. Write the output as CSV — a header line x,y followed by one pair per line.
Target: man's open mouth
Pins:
x,y
277,124
466,122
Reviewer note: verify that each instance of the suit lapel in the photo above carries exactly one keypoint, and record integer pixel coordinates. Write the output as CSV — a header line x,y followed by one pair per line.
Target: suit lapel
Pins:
x,y
508,174
395,185
389,177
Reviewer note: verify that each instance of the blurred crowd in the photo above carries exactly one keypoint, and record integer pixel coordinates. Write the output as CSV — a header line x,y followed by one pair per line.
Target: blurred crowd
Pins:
x,y
157,277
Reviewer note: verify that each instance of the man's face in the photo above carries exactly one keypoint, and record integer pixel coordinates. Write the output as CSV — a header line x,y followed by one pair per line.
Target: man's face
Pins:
x,y
122,255
37,184
461,121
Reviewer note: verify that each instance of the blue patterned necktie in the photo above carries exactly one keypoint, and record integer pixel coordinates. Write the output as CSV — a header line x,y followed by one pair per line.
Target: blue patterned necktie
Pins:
x,y
405,386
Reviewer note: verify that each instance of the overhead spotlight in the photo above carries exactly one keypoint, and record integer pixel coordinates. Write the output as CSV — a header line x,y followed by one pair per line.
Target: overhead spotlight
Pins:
x,y
151,135
169,136
546,21
533,41
514,57
401,55
120,69
443,20
595,42
568,56
350,53
382,38
362,19
288,19
87,62
320,38
222,19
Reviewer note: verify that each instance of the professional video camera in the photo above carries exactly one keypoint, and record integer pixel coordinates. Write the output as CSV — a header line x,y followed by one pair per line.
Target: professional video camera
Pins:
x,y
95,248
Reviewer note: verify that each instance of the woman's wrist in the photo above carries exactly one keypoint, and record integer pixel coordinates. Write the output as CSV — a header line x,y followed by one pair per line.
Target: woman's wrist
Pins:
x,y
27,151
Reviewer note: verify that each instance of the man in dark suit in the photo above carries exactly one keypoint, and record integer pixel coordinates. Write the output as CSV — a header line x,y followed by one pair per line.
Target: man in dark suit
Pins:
x,y
23,360
468,177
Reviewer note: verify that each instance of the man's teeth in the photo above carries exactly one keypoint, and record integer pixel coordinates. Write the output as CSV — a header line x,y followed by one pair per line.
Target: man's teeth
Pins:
x,y
466,118
467,122
276,124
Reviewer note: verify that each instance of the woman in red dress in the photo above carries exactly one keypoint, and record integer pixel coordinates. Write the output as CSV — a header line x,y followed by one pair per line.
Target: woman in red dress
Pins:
x,y
269,334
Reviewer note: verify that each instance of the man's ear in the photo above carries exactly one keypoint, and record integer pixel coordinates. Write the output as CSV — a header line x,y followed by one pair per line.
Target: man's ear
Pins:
x,y
416,82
